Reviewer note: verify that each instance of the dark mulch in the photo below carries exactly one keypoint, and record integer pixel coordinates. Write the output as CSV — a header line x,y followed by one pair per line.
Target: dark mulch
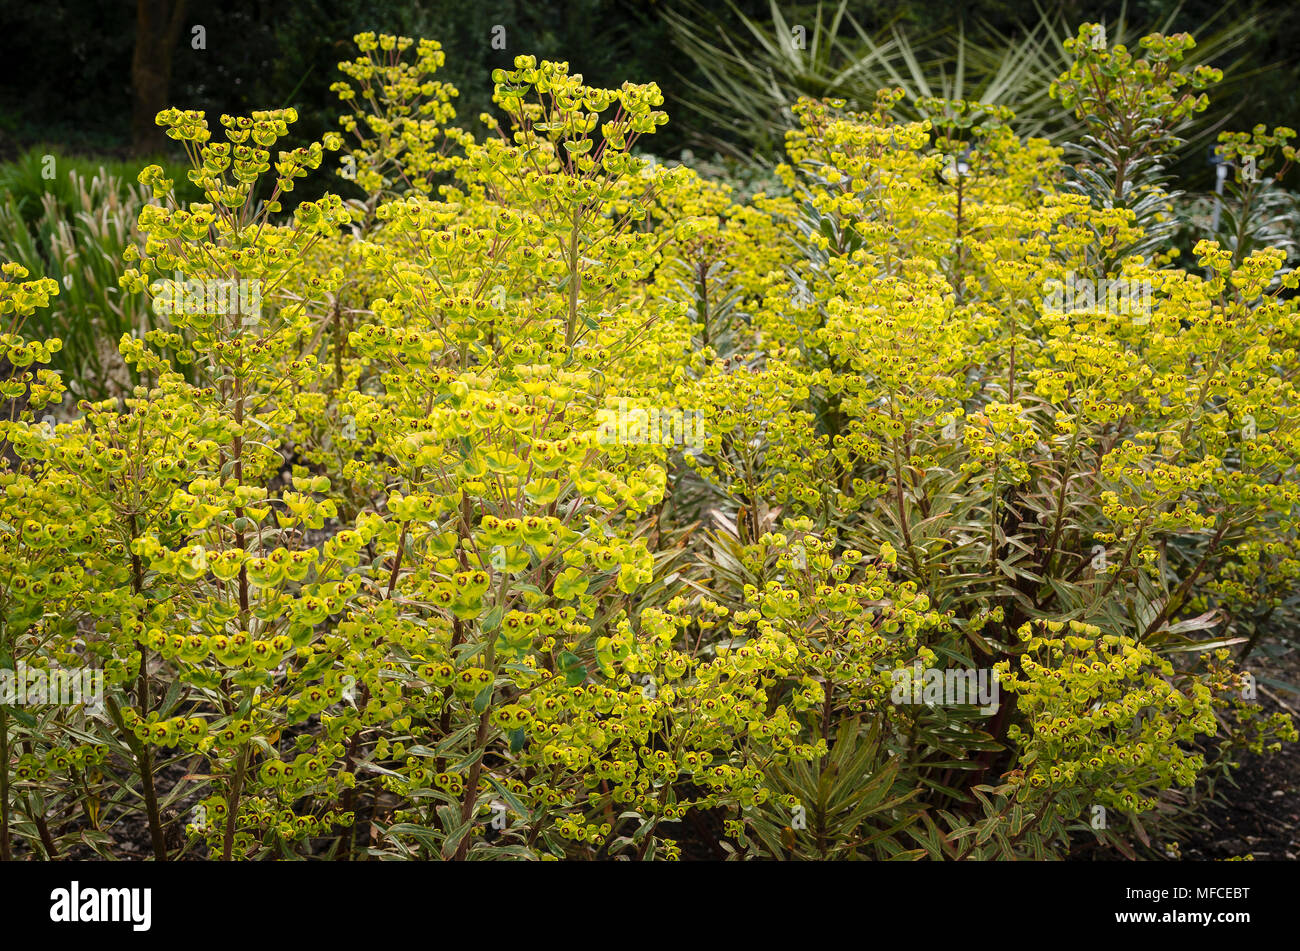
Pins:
x,y
1258,815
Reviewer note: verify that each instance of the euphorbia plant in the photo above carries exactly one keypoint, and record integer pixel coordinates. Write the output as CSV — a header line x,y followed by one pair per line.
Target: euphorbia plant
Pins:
x,y
213,536
393,563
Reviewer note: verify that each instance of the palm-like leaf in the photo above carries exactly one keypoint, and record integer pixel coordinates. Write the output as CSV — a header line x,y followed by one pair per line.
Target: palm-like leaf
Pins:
x,y
752,76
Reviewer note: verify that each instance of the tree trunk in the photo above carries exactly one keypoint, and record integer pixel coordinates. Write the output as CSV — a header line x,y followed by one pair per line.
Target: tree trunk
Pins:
x,y
157,30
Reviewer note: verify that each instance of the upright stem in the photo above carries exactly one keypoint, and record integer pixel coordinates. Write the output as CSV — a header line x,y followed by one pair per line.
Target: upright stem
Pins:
x,y
5,853
702,307
38,817
1176,599
354,745
828,708
237,453
232,812
959,276
144,755
146,768
339,343
471,784
1011,375
1242,217
575,280
1058,521
903,525
993,518
470,803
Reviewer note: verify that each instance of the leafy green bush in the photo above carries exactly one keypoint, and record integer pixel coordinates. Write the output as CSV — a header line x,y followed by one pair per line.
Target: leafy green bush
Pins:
x,y
550,502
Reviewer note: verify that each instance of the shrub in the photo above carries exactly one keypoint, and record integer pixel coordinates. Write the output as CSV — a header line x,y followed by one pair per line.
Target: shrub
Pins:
x,y
392,550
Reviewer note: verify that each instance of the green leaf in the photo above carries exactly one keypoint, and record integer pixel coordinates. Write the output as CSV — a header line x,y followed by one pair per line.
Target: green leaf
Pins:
x,y
23,717
508,796
573,669
492,620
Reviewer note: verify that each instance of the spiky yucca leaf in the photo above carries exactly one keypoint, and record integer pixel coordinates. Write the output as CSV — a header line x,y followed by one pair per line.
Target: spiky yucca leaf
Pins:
x,y
754,73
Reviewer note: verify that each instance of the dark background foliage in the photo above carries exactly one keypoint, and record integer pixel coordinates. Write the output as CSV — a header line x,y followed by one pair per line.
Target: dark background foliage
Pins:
x,y
67,77
67,74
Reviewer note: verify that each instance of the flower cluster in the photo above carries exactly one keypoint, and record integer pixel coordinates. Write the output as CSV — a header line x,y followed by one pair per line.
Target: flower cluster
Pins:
x,y
358,556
